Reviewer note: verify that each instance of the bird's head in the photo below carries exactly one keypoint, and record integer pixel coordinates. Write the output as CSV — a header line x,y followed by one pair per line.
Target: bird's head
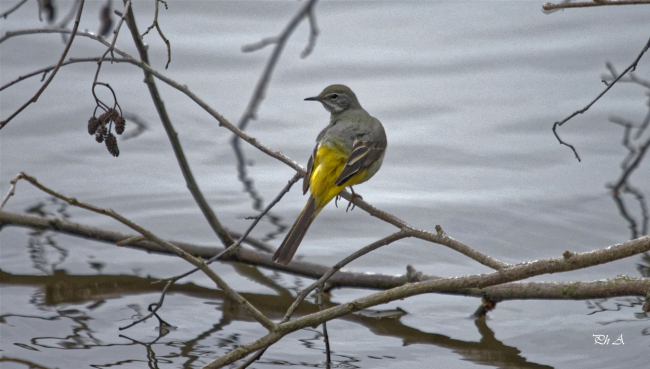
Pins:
x,y
336,98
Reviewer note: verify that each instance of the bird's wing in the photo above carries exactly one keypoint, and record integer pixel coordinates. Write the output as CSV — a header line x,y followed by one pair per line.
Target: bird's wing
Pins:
x,y
363,154
310,168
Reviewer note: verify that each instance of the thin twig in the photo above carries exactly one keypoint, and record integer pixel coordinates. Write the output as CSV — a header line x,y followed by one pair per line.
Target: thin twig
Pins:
x,y
56,69
249,188
12,191
184,89
326,338
440,237
48,69
252,359
632,68
110,48
154,310
277,199
130,240
155,24
587,4
12,9
321,282
116,32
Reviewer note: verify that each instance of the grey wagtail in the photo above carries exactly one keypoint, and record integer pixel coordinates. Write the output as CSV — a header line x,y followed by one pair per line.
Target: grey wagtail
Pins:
x,y
348,151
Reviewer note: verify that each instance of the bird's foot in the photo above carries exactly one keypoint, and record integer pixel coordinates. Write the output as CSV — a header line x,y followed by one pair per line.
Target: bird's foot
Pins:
x,y
354,196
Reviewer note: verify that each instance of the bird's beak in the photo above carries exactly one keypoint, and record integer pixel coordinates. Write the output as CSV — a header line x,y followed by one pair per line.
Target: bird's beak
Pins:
x,y
315,98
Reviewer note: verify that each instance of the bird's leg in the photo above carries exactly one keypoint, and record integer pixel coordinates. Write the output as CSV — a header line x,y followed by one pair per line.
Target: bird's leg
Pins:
x,y
336,199
354,196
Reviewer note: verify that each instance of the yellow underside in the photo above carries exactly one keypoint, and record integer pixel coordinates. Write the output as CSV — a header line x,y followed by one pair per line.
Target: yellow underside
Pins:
x,y
328,164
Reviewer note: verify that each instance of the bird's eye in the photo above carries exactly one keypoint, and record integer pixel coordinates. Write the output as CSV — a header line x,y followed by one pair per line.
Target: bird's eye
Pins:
x,y
334,96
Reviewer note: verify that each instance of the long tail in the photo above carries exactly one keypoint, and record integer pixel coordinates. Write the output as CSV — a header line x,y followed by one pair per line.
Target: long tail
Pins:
x,y
291,242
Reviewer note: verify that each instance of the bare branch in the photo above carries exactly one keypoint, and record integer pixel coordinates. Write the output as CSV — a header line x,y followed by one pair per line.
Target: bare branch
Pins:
x,y
260,44
513,290
56,69
153,308
110,48
155,24
50,68
12,191
182,88
260,89
252,359
588,4
207,211
632,68
280,41
116,32
13,9
256,314
571,261
309,270
229,250
439,237
557,124
259,217
321,282
131,240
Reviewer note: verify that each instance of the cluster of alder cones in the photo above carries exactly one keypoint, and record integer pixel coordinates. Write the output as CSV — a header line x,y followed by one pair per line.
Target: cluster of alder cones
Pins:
x,y
101,128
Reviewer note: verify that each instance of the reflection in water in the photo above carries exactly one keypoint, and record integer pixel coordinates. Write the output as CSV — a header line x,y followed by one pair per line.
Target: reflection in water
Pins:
x,y
316,343
249,187
26,363
80,338
153,361
644,266
636,150
39,246
140,126
61,288
488,351
42,208
602,305
632,133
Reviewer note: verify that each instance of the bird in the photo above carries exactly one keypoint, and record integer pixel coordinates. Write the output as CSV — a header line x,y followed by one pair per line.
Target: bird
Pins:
x,y
349,151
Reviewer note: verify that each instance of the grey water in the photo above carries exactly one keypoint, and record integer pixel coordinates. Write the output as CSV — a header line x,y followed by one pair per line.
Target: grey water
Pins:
x,y
467,92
